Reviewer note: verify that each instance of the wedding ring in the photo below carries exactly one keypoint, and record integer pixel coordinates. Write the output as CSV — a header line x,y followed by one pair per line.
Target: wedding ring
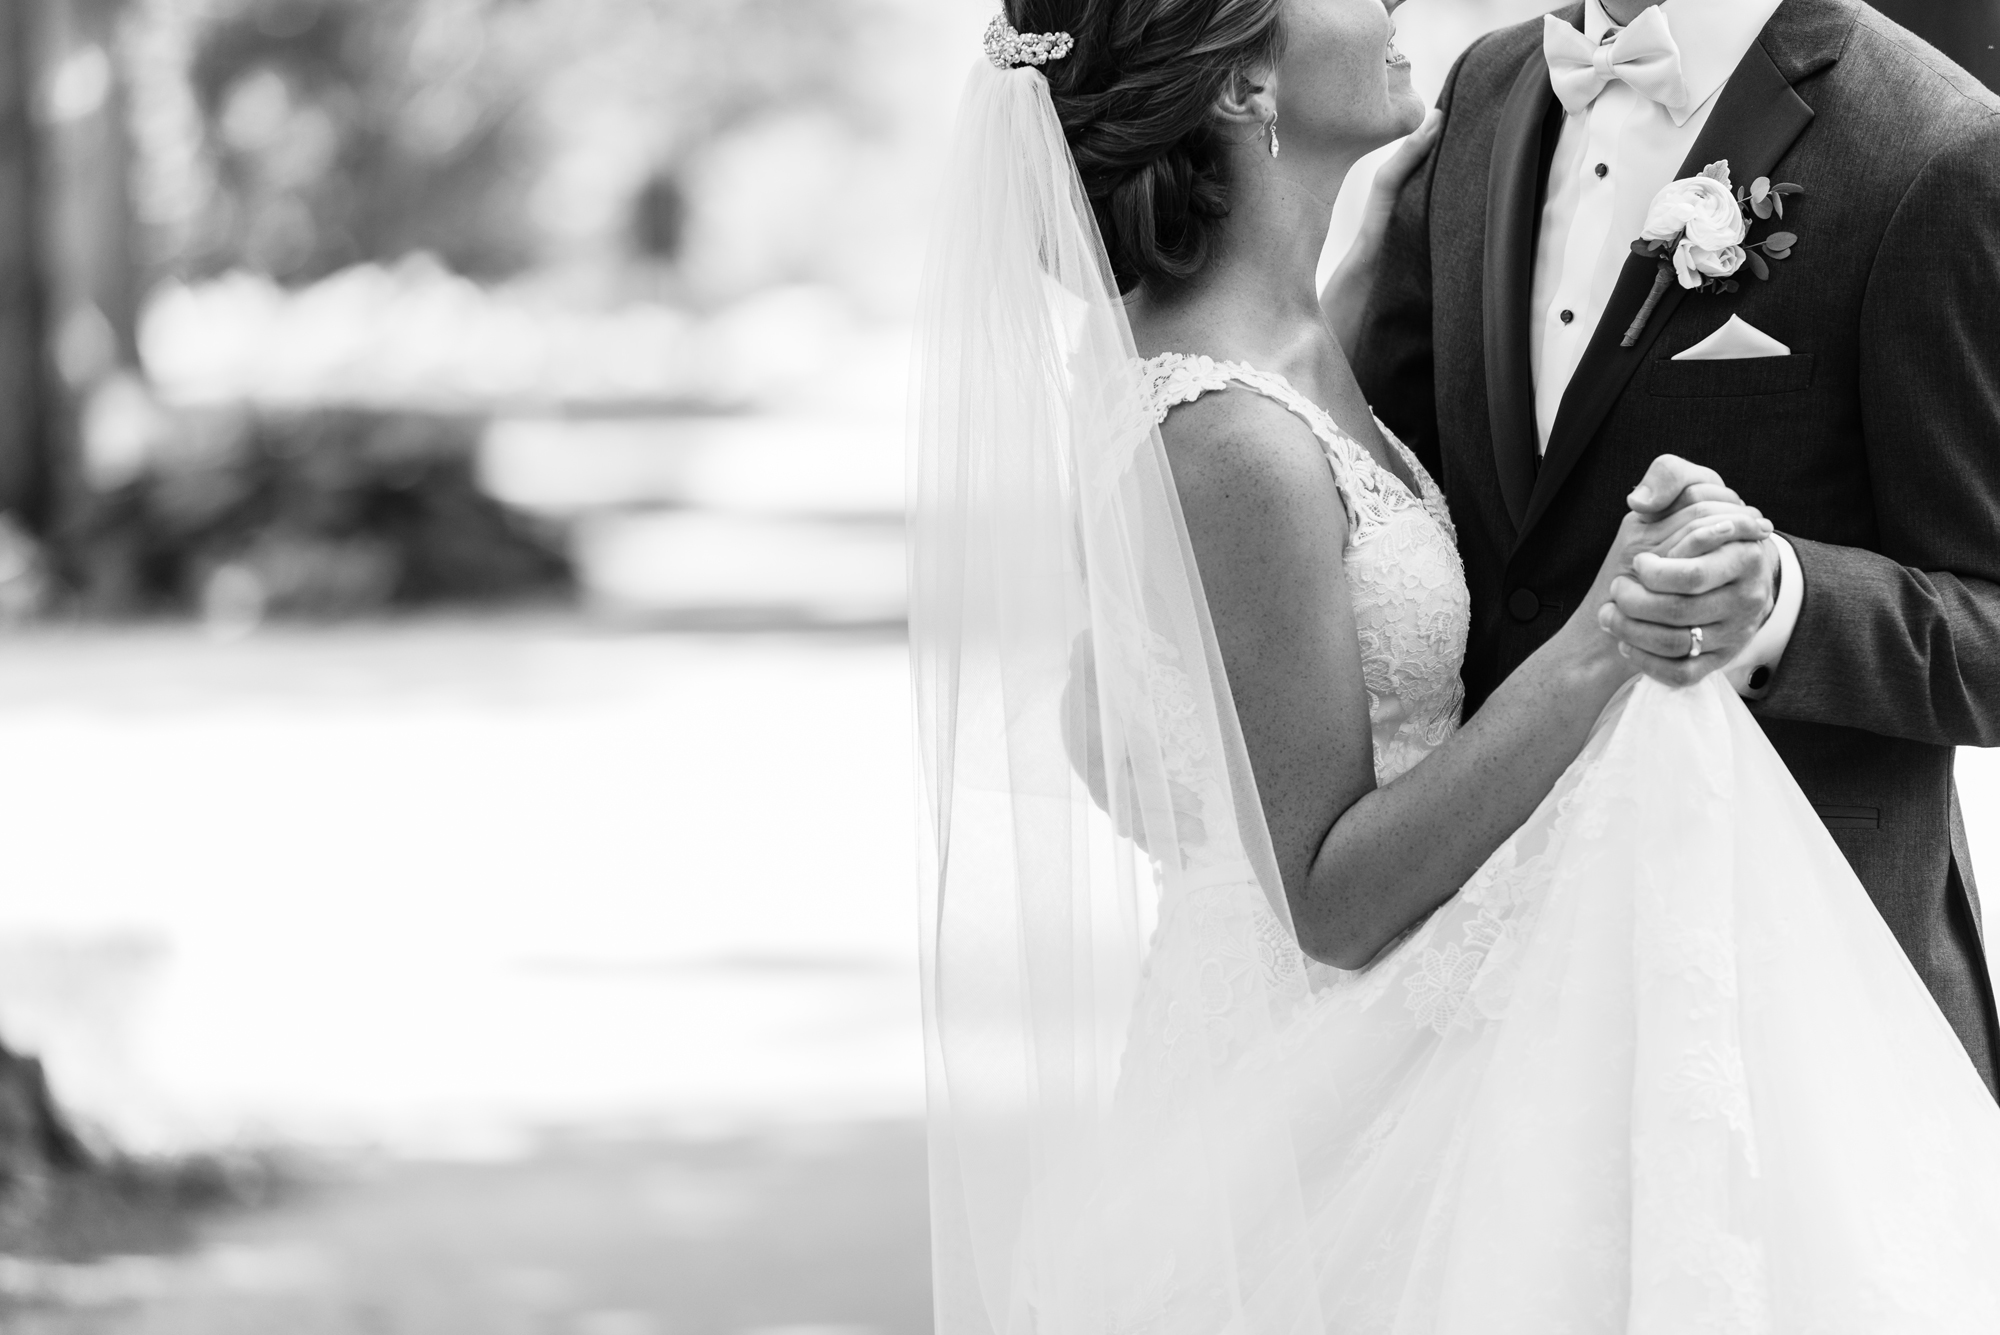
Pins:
x,y
1694,642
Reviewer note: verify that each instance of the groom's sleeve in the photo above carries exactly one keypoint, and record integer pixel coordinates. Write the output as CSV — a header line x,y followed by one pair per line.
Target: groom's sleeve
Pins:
x,y
1904,640
1394,362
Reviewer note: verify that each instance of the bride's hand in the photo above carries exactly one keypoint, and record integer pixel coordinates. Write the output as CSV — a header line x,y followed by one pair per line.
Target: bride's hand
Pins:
x,y
1346,295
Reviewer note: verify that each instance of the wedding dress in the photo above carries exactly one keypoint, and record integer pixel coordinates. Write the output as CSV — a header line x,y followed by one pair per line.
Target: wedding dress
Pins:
x,y
1659,1067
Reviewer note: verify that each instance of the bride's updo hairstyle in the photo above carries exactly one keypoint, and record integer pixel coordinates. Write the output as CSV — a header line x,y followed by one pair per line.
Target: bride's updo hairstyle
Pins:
x,y
1137,102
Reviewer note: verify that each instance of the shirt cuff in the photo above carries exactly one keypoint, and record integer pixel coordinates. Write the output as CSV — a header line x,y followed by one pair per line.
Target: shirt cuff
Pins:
x,y
1750,671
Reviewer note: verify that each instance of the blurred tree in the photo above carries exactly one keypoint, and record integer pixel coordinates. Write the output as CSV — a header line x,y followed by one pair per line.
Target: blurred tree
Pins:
x,y
727,61
496,134
1966,30
97,420
350,130
69,283
637,96
90,245
23,333
659,217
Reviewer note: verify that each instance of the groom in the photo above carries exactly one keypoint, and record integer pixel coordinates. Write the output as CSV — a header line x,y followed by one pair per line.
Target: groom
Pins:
x,y
1854,397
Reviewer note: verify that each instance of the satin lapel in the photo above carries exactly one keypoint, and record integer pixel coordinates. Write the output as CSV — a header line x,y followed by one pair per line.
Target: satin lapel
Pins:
x,y
1755,120
1513,203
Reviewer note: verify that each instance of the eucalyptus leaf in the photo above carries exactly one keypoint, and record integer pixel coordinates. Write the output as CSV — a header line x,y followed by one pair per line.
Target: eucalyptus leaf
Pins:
x,y
1784,254
1787,188
1778,203
1762,205
1757,265
1781,241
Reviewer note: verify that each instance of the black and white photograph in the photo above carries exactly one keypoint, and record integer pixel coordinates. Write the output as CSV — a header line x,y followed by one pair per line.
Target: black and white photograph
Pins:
x,y
999,667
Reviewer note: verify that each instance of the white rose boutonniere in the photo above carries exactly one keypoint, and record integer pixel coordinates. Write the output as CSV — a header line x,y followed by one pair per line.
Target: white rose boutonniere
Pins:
x,y
1696,228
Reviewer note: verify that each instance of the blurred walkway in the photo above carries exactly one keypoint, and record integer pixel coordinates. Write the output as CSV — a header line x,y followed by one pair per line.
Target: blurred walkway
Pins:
x,y
436,884
807,1232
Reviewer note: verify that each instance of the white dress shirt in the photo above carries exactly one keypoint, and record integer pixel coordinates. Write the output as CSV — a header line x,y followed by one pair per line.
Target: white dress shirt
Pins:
x,y
1611,159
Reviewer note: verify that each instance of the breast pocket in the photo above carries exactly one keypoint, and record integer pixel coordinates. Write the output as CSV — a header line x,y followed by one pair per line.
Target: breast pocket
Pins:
x,y
1735,378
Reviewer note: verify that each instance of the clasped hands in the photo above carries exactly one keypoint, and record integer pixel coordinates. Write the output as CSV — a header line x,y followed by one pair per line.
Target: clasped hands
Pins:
x,y
1690,554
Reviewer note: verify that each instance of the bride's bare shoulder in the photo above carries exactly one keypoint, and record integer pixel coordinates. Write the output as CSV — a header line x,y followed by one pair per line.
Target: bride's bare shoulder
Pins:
x,y
1237,455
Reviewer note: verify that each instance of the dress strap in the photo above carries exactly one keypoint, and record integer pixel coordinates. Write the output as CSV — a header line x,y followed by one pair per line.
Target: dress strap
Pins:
x,y
1369,492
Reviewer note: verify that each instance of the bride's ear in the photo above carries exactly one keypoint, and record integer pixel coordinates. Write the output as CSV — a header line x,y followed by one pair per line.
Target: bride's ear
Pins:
x,y
1248,101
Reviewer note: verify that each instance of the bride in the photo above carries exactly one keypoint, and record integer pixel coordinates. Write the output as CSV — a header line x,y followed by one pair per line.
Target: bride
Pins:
x,y
1261,994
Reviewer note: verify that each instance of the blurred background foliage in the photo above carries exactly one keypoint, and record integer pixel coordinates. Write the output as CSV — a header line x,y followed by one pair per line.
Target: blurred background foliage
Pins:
x,y
332,134
249,221
496,135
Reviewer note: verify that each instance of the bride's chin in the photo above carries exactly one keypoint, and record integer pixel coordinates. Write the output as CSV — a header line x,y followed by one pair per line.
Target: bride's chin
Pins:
x,y
1406,109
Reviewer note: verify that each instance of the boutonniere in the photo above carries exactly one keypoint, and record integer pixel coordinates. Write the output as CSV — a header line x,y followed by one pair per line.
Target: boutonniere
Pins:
x,y
1696,227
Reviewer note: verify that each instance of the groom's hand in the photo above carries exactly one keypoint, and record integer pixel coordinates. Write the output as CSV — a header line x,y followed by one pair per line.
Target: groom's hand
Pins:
x,y
1700,566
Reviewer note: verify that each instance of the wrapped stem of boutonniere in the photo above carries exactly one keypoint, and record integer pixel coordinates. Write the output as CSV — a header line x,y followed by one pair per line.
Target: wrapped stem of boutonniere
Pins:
x,y
1696,227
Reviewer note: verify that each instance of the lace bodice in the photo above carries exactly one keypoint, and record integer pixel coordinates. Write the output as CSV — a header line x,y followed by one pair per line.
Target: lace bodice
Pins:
x,y
1411,607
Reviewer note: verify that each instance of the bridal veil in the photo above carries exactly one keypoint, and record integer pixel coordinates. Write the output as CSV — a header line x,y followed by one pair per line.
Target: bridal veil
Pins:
x,y
1079,752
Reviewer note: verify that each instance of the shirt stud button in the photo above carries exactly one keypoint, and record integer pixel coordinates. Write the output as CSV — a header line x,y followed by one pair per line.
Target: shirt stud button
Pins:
x,y
1603,169
1567,316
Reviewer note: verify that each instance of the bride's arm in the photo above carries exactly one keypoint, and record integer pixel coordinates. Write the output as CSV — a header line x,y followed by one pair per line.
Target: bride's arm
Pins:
x,y
1361,863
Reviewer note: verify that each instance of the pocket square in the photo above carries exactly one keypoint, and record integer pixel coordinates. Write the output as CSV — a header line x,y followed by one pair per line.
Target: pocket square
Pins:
x,y
1735,340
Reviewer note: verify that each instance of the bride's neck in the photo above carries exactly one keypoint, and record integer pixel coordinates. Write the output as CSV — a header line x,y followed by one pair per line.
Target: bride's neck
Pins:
x,y
1257,299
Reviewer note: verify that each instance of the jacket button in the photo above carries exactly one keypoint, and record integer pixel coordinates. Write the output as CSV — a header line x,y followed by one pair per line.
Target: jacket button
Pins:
x,y
1524,605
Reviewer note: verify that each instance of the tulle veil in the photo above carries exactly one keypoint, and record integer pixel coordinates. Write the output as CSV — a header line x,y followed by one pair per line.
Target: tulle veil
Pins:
x,y
1079,753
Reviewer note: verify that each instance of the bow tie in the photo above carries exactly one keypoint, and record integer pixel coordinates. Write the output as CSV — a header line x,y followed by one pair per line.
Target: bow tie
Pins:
x,y
1643,54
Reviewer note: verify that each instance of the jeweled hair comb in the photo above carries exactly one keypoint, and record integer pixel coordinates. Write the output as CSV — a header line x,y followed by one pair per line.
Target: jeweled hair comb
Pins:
x,y
1008,48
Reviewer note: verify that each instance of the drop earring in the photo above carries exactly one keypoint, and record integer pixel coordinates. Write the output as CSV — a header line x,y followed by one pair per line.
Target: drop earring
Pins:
x,y
1273,127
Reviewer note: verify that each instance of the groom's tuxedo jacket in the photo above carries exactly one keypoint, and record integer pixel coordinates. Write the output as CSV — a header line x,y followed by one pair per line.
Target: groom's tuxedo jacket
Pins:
x,y
1874,447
